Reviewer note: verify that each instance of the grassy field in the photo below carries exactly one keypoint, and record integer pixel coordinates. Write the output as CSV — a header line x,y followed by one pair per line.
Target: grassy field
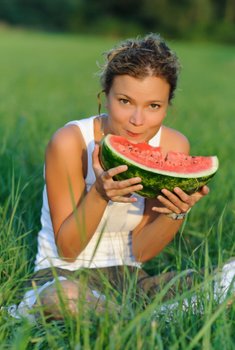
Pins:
x,y
47,80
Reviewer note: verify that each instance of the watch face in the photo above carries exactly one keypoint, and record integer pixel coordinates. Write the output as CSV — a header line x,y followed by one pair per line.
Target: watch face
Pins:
x,y
180,216
175,216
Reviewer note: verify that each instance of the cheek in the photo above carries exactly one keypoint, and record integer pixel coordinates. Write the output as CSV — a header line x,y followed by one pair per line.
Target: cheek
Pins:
x,y
115,110
154,122
163,114
110,106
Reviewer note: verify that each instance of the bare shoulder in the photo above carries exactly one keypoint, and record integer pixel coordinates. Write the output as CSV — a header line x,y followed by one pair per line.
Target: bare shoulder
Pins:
x,y
66,139
173,140
65,169
67,150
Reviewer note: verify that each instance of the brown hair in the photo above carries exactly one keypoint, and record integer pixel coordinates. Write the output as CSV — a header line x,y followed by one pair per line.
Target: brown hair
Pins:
x,y
139,58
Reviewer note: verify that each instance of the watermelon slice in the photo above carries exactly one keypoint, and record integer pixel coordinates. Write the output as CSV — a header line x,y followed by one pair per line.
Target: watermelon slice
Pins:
x,y
189,173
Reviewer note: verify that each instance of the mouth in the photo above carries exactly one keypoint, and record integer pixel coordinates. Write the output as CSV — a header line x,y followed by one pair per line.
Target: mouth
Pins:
x,y
133,134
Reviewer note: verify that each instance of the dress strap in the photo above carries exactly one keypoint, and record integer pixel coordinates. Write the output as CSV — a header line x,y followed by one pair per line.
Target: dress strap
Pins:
x,y
155,140
87,129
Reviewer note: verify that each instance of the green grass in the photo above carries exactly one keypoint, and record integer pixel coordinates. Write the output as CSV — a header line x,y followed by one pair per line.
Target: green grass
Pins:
x,y
47,80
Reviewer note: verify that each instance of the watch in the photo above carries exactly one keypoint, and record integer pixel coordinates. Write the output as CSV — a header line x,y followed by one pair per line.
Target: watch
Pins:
x,y
179,216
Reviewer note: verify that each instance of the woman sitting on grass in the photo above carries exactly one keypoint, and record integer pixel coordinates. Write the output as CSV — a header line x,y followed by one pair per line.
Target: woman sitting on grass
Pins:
x,y
93,227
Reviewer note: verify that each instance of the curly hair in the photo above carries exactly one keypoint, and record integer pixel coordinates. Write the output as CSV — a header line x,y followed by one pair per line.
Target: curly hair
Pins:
x,y
139,58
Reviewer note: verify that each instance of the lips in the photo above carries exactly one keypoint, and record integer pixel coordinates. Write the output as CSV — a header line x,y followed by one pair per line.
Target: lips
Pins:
x,y
133,134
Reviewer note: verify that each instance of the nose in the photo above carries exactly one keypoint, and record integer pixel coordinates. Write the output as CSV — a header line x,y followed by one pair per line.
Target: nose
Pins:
x,y
137,117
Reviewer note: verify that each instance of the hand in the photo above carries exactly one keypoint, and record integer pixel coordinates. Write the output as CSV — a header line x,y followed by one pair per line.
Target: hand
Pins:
x,y
110,189
179,201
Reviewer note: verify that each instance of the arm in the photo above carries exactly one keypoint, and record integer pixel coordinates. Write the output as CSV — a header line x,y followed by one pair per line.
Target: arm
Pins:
x,y
70,205
157,229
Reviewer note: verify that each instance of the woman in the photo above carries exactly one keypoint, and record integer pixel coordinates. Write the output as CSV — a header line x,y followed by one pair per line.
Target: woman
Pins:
x,y
92,224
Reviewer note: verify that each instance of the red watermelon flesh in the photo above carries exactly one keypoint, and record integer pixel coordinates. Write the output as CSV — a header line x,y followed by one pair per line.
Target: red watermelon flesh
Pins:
x,y
157,170
152,157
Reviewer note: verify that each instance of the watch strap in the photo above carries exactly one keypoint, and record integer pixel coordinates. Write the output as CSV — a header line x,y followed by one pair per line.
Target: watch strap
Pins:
x,y
179,216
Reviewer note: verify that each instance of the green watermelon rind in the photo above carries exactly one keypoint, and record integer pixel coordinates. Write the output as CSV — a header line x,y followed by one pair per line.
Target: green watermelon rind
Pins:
x,y
152,182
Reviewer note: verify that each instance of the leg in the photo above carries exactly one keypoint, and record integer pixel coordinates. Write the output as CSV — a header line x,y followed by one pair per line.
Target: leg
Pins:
x,y
58,291
151,285
223,286
67,297
167,286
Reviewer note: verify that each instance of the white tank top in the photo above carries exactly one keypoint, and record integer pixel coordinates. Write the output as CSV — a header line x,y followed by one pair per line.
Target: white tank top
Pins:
x,y
111,244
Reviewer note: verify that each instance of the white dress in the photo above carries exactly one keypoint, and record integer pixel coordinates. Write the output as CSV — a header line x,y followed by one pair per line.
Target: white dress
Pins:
x,y
113,233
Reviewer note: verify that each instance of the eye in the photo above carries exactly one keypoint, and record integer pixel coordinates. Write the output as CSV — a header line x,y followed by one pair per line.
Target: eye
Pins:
x,y
154,106
124,101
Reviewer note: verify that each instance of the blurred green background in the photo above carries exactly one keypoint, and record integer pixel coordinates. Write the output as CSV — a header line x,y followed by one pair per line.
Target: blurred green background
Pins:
x,y
182,19
49,51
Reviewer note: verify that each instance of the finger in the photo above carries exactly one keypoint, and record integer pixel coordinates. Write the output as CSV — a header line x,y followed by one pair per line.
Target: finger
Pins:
x,y
204,190
95,153
182,195
113,192
168,204
95,159
127,183
124,199
114,171
182,204
195,197
162,210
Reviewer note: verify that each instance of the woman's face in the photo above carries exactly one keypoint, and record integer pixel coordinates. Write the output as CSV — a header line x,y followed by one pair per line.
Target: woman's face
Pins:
x,y
137,107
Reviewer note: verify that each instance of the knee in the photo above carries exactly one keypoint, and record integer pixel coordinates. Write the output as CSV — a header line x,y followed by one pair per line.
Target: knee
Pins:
x,y
59,297
68,297
69,290
62,289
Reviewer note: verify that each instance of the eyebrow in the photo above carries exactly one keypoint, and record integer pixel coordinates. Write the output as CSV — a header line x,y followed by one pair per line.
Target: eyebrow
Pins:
x,y
129,97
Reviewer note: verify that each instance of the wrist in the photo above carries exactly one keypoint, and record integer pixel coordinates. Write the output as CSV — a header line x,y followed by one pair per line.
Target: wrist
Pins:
x,y
100,194
180,216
